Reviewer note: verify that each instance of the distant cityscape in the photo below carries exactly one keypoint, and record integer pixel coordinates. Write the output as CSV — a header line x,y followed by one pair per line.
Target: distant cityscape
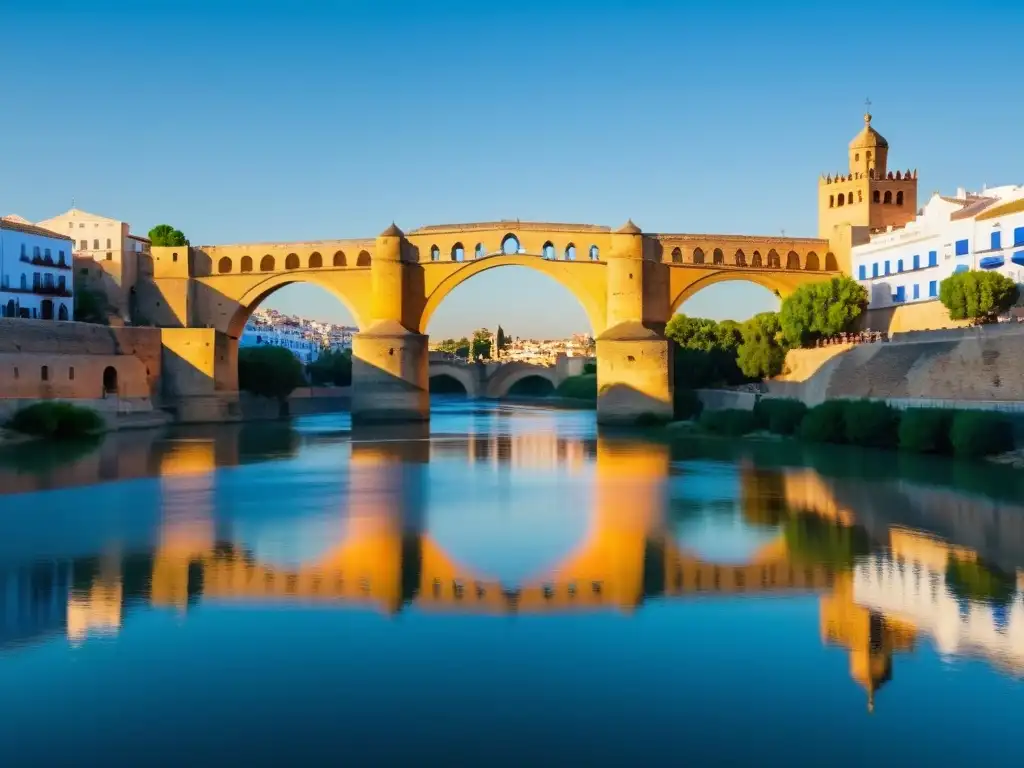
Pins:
x,y
306,339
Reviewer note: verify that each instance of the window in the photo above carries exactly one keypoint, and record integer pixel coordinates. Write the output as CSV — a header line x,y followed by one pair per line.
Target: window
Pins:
x,y
933,288
47,255
917,291
887,199
110,256
24,282
933,258
900,296
61,258
899,198
62,283
888,270
876,197
84,245
863,272
95,245
831,201
35,281
5,281
24,251
1018,236
48,281
71,373
108,242
82,225
995,242
962,247
917,261
899,265
45,373
874,269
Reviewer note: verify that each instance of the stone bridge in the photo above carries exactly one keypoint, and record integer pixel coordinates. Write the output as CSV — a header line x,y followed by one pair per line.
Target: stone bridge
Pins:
x,y
495,380
628,282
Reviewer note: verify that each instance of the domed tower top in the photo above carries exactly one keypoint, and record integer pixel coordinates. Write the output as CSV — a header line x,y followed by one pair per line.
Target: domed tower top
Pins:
x,y
869,151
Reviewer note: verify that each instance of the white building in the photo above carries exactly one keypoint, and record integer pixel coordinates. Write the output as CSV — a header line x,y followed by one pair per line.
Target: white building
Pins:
x,y
291,337
36,272
112,257
950,234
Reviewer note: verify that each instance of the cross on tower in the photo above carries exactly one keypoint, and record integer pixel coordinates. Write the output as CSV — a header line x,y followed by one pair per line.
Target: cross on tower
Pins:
x,y
867,105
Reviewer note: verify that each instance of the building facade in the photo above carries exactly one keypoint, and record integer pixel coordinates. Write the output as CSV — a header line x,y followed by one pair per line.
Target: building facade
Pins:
x,y
259,333
36,273
107,255
968,231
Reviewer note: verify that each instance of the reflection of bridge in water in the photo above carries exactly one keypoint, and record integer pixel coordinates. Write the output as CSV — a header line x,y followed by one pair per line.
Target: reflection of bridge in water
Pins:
x,y
385,557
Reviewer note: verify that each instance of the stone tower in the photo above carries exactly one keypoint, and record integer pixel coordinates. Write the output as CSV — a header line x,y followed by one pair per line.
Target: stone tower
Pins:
x,y
869,194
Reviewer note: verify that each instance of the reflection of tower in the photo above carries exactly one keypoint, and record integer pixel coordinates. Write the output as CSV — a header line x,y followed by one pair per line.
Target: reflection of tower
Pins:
x,y
870,638
187,530
629,511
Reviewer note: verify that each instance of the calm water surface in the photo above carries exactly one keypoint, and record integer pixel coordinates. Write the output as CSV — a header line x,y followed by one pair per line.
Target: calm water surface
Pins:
x,y
511,588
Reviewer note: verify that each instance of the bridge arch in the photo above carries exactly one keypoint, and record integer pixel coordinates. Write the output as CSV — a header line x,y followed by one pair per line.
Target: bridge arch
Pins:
x,y
501,382
466,375
687,286
352,293
584,280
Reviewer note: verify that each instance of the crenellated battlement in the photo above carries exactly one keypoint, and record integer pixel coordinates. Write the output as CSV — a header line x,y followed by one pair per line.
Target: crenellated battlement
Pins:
x,y
838,178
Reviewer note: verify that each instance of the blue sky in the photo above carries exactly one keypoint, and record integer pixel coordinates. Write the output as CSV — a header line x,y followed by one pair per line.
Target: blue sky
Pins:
x,y
243,121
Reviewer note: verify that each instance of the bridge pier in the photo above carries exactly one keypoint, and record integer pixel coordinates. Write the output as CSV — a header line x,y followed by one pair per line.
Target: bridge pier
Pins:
x,y
389,375
634,361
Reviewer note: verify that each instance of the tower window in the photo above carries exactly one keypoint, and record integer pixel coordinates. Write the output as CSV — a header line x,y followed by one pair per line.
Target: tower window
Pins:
x,y
842,200
876,197
899,198
831,201
849,198
860,196
887,200
856,157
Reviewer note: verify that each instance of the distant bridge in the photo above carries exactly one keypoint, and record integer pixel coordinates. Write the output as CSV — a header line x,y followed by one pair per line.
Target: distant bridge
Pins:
x,y
495,380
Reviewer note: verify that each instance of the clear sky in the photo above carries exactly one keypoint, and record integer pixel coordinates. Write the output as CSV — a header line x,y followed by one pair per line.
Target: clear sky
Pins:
x,y
253,121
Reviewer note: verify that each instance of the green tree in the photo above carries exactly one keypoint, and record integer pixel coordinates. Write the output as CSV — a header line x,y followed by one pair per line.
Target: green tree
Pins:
x,y
272,372
481,346
706,353
91,305
503,339
463,347
166,235
332,367
822,309
977,296
761,354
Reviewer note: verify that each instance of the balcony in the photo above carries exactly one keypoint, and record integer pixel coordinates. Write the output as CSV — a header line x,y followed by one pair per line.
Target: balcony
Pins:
x,y
42,261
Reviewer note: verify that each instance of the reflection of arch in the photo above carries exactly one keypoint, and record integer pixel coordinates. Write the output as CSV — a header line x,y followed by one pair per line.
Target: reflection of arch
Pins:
x,y
444,383
698,256
339,259
62,313
510,244
46,309
677,256
570,252
291,261
110,380
581,284
511,374
774,262
741,258
224,265
755,260
267,263
315,260
548,252
718,257
812,261
458,252
246,265
792,260
363,259
12,309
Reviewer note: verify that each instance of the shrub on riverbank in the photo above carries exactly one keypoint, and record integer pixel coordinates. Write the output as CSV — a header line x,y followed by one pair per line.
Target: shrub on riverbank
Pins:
x,y
56,420
781,415
731,422
272,372
824,423
686,404
582,387
871,424
980,433
926,430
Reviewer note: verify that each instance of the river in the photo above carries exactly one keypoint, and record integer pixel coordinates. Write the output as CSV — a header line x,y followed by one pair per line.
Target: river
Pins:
x,y
509,587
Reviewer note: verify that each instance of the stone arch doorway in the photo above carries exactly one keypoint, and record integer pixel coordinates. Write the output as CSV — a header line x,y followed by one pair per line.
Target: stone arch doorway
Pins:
x,y
110,387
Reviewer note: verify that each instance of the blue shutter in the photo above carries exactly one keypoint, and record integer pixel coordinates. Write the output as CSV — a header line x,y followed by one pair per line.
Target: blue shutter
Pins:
x,y
887,270
962,247
917,291
900,295
933,258
933,288
899,265
1018,236
874,269
995,240
917,261
863,272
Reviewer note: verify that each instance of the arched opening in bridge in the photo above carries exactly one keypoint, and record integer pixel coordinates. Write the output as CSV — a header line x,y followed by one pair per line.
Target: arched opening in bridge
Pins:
x,y
548,251
532,386
458,252
435,253
540,320
291,261
735,299
363,259
316,261
224,265
447,384
595,253
303,319
570,252
246,265
510,244
677,256
479,252
339,259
